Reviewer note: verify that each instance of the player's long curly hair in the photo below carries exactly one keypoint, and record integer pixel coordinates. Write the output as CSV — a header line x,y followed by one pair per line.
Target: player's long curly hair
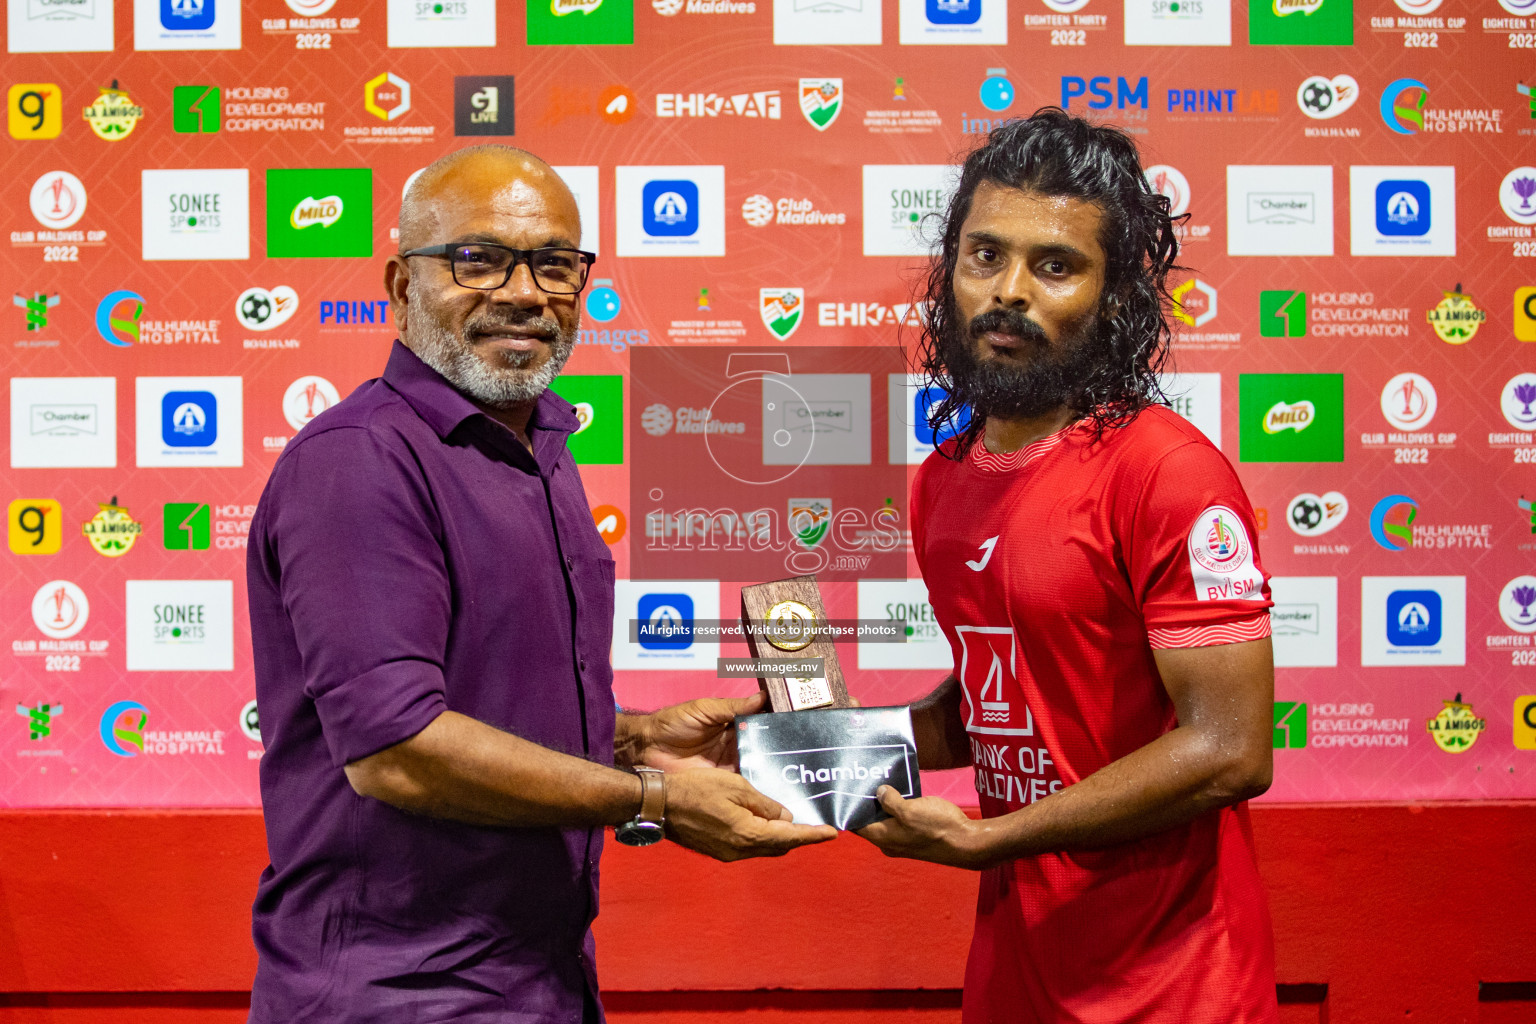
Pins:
x,y
1056,154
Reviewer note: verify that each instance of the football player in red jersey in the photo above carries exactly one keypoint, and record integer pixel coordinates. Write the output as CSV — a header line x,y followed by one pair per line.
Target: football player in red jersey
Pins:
x,y
1090,557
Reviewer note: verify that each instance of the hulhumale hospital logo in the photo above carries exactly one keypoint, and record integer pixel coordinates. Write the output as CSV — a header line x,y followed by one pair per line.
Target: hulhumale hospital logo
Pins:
x,y
1405,117
122,728
1396,535
117,317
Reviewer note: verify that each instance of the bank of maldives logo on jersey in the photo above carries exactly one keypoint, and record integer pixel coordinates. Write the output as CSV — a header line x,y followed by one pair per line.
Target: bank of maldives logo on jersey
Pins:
x,y
994,702
1221,561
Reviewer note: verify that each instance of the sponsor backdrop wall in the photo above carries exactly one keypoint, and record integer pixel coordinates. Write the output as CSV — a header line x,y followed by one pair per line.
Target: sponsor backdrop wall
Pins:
x,y
199,195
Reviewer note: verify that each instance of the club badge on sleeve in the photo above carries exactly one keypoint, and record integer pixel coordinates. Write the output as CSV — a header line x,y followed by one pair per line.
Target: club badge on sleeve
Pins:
x,y
1221,559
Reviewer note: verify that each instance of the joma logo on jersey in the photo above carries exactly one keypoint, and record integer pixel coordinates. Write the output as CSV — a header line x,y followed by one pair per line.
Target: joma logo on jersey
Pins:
x,y
988,665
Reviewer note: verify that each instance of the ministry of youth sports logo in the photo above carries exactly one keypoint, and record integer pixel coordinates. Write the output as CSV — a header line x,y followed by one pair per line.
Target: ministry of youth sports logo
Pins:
x,y
1221,557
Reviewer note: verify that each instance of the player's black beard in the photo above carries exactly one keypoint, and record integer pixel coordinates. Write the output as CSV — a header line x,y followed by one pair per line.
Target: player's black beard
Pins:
x,y
1046,378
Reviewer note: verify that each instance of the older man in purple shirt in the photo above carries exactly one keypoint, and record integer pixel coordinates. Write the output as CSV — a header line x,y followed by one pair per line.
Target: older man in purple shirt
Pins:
x,y
431,609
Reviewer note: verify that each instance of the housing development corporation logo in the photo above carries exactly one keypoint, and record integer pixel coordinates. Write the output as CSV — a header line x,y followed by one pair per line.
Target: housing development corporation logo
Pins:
x,y
1290,725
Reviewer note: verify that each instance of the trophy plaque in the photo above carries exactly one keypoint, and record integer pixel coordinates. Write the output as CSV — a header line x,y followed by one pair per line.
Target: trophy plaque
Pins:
x,y
784,620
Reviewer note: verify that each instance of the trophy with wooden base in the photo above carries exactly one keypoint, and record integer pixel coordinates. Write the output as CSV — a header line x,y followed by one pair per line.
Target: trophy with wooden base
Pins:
x,y
816,752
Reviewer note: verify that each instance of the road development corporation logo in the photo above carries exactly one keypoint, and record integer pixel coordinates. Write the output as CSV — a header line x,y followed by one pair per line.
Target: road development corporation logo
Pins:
x,y
1313,515
1194,303
307,398
782,310
387,96
262,309
1456,318
1221,561
60,609
1392,522
1409,402
1456,727
57,200
1323,98
821,101
112,531
1516,603
122,728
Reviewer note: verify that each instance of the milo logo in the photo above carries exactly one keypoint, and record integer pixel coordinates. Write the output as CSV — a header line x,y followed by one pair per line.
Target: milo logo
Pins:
x,y
1285,416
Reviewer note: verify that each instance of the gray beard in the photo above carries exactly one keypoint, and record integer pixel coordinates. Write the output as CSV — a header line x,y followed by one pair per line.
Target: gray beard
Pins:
x,y
501,386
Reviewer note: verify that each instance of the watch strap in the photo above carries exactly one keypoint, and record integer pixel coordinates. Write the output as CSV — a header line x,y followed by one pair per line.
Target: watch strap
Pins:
x,y
653,795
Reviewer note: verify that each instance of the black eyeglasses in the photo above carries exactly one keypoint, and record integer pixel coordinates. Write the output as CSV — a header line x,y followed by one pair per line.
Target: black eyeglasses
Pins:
x,y
487,266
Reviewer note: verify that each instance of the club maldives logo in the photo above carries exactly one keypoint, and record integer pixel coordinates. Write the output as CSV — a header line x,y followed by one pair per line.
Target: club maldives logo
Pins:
x,y
1455,318
122,728
821,100
1456,727
112,531
113,115
117,317
1396,535
1297,416
782,310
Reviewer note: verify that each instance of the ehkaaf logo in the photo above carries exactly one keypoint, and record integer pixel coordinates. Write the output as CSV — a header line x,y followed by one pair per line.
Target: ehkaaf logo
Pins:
x,y
1104,93
766,105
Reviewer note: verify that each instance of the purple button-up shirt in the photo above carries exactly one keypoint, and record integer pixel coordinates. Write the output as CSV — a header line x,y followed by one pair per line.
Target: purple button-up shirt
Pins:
x,y
409,556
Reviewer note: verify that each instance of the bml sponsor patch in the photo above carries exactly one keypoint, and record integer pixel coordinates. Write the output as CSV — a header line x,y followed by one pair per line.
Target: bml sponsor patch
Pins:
x,y
1221,559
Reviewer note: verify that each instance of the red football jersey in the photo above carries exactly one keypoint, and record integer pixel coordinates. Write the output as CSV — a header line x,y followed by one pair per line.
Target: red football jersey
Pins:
x,y
1054,572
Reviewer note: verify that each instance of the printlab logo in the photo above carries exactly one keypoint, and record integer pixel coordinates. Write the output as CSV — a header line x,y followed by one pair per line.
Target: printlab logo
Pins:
x,y
1402,106
34,110
821,100
196,109
1409,402
1290,725
1515,604
262,309
58,200
782,310
35,526
483,105
1518,401
36,308
1282,314
666,622
122,728
1396,534
117,317
39,719
1313,515
1326,98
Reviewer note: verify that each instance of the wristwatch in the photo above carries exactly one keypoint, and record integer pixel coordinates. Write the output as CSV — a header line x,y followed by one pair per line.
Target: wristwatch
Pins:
x,y
645,828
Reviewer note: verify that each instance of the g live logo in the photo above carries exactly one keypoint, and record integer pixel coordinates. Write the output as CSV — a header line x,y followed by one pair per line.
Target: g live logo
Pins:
x,y
1290,725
